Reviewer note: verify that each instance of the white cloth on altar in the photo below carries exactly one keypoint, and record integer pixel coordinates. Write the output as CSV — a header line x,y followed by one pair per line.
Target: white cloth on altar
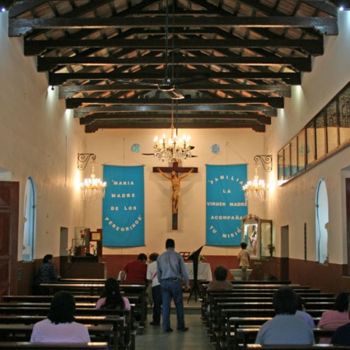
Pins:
x,y
204,271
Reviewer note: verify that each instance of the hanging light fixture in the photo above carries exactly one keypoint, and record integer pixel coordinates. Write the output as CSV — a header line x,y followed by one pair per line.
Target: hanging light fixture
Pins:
x,y
257,187
172,148
91,186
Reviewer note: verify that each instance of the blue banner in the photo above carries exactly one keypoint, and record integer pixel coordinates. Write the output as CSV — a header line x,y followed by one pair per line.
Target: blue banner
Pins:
x,y
226,204
123,206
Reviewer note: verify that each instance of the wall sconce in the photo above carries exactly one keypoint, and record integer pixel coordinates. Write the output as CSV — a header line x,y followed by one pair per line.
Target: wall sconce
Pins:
x,y
265,160
84,158
92,185
257,187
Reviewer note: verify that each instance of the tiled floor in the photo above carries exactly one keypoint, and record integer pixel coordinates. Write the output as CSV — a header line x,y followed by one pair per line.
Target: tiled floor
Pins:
x,y
195,338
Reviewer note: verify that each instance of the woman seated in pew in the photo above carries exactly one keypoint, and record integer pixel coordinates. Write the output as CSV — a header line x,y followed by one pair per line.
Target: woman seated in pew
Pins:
x,y
220,280
301,313
332,319
285,328
59,326
342,335
111,297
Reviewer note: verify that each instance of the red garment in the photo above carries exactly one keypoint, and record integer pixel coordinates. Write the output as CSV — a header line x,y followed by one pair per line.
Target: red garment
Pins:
x,y
135,272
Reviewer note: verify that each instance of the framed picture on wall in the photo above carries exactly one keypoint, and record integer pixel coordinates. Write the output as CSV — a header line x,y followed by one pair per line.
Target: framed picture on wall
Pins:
x,y
96,236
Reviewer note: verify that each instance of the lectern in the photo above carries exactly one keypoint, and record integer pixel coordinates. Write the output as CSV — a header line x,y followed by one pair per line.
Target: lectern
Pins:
x,y
195,285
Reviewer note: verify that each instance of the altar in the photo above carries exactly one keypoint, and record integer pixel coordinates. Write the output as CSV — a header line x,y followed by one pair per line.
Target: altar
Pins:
x,y
204,271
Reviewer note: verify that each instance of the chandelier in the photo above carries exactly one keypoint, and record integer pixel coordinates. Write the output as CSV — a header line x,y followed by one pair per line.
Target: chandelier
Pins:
x,y
172,148
91,186
257,187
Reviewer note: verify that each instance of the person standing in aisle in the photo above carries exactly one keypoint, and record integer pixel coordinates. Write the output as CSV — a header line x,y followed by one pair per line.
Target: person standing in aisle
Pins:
x,y
156,290
172,273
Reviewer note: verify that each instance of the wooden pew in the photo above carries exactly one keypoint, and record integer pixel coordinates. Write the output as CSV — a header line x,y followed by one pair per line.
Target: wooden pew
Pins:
x,y
210,298
22,332
82,280
220,311
297,347
243,336
280,282
96,289
43,309
33,346
226,326
133,298
123,337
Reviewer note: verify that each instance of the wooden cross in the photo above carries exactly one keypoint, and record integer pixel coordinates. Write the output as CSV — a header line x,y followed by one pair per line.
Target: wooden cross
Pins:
x,y
172,174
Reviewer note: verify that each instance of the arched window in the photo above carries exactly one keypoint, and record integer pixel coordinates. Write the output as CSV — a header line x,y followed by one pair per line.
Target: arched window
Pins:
x,y
29,221
321,222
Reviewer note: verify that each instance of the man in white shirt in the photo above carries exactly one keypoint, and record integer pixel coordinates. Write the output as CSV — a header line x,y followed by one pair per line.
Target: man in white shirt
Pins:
x,y
156,290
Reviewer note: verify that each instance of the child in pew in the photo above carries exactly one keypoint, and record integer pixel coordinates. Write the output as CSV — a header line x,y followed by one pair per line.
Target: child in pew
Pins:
x,y
59,326
301,313
111,297
285,328
220,280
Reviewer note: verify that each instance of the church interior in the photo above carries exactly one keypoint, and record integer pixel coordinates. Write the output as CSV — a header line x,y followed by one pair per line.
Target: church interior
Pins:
x,y
263,84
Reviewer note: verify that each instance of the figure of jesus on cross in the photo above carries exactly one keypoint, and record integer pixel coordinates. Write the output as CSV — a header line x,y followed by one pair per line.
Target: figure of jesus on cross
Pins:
x,y
175,174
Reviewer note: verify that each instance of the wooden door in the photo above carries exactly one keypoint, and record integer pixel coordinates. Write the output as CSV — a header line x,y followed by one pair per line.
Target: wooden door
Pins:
x,y
285,253
9,196
347,188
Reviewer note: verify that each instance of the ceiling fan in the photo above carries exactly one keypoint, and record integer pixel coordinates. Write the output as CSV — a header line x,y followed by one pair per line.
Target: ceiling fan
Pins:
x,y
167,85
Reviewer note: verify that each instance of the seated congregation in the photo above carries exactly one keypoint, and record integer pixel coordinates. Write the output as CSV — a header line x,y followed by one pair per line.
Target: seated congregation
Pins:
x,y
236,314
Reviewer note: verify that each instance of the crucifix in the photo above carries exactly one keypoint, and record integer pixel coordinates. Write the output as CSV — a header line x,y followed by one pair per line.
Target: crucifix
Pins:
x,y
175,174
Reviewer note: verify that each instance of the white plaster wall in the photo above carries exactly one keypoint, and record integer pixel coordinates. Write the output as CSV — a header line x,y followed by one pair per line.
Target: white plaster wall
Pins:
x,y
38,138
114,147
294,203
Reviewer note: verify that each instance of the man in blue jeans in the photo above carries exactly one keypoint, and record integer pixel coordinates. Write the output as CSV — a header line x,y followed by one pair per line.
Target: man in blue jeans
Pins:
x,y
171,271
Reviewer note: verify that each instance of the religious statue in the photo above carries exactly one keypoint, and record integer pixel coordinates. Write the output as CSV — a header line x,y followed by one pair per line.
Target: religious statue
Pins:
x,y
175,179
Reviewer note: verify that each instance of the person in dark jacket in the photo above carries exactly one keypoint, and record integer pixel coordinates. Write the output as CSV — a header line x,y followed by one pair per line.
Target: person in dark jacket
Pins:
x,y
45,274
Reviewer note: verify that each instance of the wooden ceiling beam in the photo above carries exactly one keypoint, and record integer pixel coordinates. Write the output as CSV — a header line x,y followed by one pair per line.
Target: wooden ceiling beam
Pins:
x,y
84,111
302,64
322,5
60,78
19,8
35,47
18,27
70,90
277,102
93,6
179,116
256,5
197,124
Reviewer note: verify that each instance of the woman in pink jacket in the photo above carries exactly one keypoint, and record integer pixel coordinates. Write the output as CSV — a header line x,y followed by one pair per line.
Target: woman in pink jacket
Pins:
x,y
332,319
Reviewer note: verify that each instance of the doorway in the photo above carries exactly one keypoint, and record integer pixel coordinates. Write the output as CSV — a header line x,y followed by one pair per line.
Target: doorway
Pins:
x,y
347,192
285,253
9,197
